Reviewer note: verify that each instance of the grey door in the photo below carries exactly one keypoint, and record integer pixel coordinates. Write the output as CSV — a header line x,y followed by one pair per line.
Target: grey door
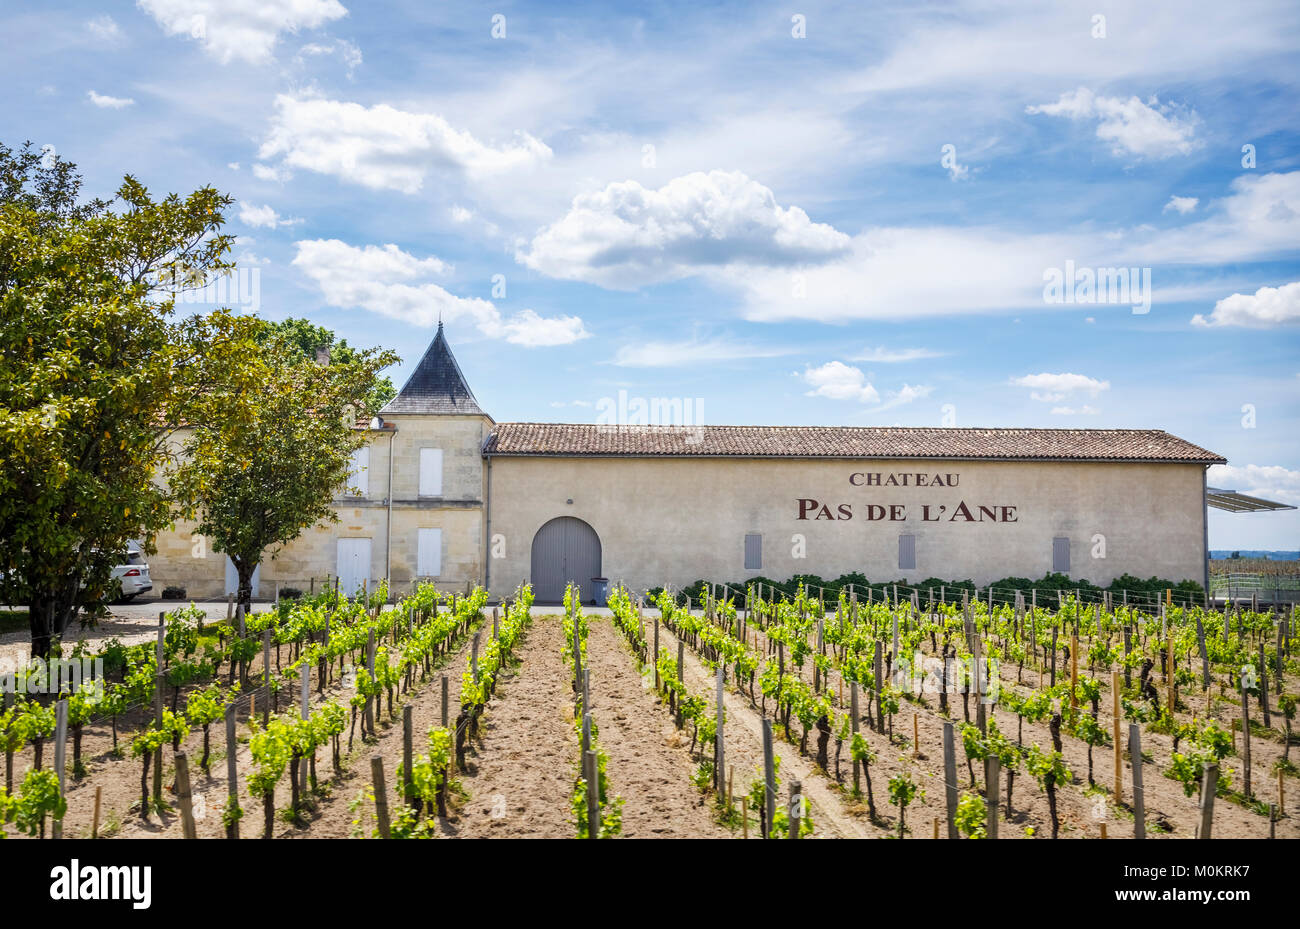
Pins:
x,y
565,549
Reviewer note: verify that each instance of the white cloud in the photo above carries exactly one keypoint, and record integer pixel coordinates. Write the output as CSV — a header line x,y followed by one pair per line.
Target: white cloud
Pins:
x,y
108,103
263,216
245,29
1271,482
1149,130
626,235
1084,410
1051,388
385,148
394,283
907,394
839,381
460,214
1181,205
884,355
1266,308
689,352
270,173
347,51
232,165
104,28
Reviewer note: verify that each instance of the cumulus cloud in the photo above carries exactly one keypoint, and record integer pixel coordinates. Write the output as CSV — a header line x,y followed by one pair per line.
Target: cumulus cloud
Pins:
x,y
104,28
245,29
394,283
384,148
347,51
626,235
1148,130
1264,309
263,216
1051,388
906,394
1181,205
1271,482
106,102
838,381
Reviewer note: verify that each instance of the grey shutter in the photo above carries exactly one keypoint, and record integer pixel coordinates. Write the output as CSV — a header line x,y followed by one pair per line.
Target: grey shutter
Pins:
x,y
753,552
906,552
1061,555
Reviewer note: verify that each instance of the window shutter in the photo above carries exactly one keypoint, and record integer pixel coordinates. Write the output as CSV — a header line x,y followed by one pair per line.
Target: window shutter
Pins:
x,y
1061,555
429,553
430,472
907,552
359,473
753,552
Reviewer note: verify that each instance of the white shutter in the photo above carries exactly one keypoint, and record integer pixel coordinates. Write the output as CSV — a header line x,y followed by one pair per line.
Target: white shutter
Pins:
x,y
429,553
359,473
430,472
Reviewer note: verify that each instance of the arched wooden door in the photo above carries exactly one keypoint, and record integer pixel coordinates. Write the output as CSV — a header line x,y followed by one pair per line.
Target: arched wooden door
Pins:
x,y
564,549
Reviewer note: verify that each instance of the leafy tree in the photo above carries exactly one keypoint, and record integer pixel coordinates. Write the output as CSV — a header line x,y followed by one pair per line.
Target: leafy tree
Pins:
x,y
94,373
309,338
256,484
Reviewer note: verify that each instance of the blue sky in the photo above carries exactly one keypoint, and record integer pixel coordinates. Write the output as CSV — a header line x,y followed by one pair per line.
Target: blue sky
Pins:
x,y
802,214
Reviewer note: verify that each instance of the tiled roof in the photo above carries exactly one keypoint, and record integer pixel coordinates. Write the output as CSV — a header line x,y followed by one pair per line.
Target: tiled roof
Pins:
x,y
436,385
569,440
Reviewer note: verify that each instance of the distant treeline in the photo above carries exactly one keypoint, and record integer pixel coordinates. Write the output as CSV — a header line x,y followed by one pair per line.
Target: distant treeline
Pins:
x,y
1047,587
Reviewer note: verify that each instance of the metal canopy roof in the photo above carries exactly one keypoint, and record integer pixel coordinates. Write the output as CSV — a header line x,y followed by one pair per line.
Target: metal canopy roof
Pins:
x,y
1235,502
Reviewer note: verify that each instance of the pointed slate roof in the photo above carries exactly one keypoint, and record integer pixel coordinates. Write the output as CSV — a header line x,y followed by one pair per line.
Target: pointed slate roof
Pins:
x,y
436,385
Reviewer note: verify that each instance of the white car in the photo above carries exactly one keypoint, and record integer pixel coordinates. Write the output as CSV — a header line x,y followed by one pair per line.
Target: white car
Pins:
x,y
133,574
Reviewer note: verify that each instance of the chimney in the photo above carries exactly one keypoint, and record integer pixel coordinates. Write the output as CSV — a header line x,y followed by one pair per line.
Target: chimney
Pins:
x,y
323,355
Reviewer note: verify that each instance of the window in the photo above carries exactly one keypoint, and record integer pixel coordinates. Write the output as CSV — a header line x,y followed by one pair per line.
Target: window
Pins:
x,y
359,472
907,553
428,561
430,472
753,552
1061,555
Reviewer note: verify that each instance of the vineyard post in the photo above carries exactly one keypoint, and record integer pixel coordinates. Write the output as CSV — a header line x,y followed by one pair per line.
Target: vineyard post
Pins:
x,y
1128,645
992,775
1263,686
473,659
950,778
586,733
1053,677
1281,789
369,714
769,779
681,675
1209,784
1074,672
160,679
60,757
232,772
879,673
1169,673
1280,624
444,701
495,633
230,604
1205,655
977,673
916,736
184,796
895,638
1245,737
654,660
381,794
586,689
408,780
266,674
719,752
796,809
1119,752
591,771
1139,801
5,705
817,681
99,796
853,714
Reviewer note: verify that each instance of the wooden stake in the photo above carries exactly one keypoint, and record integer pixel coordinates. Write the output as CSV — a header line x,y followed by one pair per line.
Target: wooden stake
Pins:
x,y
1103,830
1135,758
60,757
94,823
592,773
232,771
1074,672
796,808
1119,751
950,778
769,778
916,736
381,794
1209,783
183,795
